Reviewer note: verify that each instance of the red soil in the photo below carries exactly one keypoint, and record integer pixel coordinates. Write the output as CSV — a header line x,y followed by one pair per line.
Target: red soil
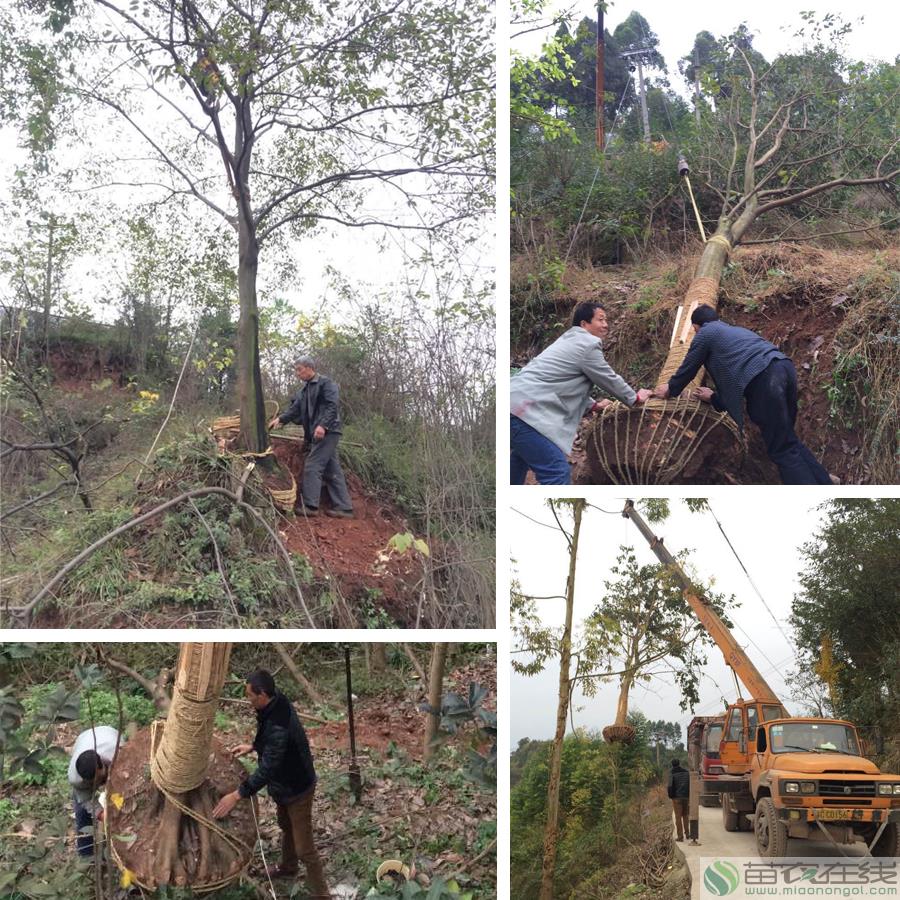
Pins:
x,y
350,551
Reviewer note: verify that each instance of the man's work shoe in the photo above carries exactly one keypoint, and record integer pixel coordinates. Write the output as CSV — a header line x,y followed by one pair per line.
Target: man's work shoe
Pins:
x,y
340,513
281,871
308,511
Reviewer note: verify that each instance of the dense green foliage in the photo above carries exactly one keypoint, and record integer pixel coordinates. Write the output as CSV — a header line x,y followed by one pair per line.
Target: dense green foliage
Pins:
x,y
601,789
847,613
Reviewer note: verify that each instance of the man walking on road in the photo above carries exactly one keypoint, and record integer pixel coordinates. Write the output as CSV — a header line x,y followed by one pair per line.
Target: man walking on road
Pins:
x,y
317,408
679,789
747,367
551,394
286,769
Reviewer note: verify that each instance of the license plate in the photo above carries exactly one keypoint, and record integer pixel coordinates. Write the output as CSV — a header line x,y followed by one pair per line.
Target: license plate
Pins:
x,y
834,814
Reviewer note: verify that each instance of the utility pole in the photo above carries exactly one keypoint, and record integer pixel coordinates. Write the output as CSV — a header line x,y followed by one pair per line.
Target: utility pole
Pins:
x,y
697,86
637,54
599,80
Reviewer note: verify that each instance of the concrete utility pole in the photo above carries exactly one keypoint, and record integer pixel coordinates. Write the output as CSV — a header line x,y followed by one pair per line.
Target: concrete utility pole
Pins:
x,y
637,54
599,79
697,86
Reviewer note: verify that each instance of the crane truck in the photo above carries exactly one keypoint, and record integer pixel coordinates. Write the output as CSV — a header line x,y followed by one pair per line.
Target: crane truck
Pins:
x,y
788,777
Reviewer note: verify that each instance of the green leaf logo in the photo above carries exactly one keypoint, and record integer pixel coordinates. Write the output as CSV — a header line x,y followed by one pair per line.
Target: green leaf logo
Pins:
x,y
721,878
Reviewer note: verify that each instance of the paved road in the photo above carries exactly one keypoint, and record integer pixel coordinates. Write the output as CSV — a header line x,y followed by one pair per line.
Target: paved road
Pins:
x,y
716,841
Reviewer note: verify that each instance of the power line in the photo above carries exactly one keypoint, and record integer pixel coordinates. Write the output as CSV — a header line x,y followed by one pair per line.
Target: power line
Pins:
x,y
756,590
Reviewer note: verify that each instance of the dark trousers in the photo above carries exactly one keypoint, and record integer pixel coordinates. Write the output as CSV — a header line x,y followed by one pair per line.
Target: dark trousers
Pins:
x,y
84,841
298,843
772,405
680,808
529,449
322,466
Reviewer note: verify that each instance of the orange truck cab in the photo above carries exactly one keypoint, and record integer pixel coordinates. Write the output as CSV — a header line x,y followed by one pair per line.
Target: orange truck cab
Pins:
x,y
807,779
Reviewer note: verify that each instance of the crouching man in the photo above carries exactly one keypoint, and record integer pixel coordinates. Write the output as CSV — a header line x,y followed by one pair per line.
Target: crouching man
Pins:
x,y
285,767
92,755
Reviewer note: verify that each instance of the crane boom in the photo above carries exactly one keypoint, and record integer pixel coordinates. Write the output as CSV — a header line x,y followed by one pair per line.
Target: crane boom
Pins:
x,y
732,651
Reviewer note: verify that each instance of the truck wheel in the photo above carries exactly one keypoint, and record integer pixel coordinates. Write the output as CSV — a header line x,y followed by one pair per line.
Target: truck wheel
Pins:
x,y
771,833
729,816
889,842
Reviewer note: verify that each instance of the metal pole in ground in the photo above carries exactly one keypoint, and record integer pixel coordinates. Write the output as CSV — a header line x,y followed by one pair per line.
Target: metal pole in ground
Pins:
x,y
694,808
599,80
354,773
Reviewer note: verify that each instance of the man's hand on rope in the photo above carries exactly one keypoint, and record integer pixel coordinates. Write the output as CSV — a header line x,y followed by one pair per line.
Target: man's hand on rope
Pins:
x,y
240,749
226,805
600,405
661,391
643,395
319,433
275,423
703,394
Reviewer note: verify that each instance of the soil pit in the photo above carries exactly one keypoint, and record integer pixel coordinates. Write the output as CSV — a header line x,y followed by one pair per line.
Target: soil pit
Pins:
x,y
350,550
160,844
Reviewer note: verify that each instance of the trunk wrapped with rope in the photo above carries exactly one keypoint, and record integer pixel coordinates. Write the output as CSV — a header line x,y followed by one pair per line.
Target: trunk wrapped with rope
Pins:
x,y
664,440
160,829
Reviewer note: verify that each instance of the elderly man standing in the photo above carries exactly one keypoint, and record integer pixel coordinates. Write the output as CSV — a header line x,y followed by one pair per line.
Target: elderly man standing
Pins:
x,y
746,367
551,394
317,408
89,764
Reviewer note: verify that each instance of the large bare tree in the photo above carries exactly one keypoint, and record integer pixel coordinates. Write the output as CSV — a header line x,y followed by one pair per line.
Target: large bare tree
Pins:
x,y
280,116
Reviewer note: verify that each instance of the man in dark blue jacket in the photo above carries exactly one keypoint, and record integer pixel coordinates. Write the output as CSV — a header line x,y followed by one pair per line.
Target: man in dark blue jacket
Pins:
x,y
317,408
286,769
746,367
679,790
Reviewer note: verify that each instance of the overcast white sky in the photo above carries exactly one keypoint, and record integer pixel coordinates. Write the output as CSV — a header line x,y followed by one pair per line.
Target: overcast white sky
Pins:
x,y
766,527
773,22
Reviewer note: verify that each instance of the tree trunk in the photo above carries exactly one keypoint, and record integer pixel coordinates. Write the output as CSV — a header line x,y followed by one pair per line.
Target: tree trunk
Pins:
x,y
297,675
254,436
379,657
664,440
551,829
435,695
159,827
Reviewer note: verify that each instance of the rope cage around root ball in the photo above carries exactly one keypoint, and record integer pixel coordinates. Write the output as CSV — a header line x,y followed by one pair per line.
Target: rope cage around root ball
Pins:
x,y
618,734
163,838
660,441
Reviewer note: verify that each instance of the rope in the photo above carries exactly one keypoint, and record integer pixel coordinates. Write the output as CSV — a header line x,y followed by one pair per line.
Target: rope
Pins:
x,y
262,853
696,211
686,424
284,498
720,239
241,848
179,764
703,291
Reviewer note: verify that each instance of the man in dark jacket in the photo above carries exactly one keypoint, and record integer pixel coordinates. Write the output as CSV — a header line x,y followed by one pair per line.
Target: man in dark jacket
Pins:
x,y
679,789
286,769
747,367
317,408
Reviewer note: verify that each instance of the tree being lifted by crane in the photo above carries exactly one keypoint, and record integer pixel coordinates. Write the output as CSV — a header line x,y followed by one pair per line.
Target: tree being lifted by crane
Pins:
x,y
786,133
788,777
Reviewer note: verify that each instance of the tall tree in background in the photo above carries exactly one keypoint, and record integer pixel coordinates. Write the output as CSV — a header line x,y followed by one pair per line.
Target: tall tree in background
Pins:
x,y
790,133
848,609
285,115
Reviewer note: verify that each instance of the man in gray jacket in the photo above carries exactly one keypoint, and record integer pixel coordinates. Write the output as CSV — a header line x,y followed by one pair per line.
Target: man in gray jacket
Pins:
x,y
92,755
551,394
317,408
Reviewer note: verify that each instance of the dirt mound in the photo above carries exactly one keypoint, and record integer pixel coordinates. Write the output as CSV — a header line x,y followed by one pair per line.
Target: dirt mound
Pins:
x,y
157,842
350,552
